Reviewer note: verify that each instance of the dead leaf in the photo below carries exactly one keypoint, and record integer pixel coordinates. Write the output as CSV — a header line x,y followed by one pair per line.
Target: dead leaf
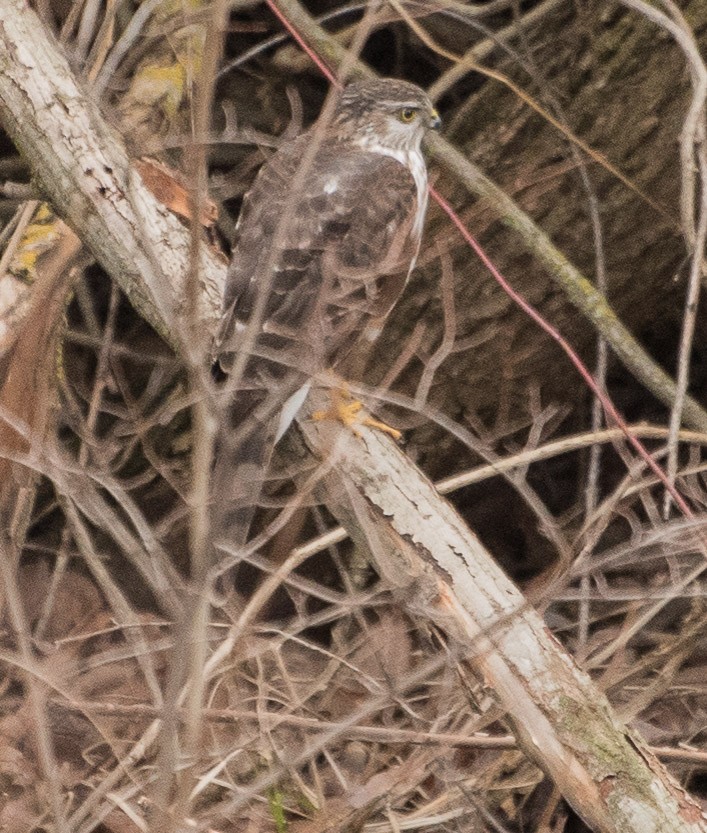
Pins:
x,y
171,190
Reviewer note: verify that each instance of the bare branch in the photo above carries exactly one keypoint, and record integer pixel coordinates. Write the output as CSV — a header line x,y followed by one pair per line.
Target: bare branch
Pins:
x,y
420,544
83,168
560,720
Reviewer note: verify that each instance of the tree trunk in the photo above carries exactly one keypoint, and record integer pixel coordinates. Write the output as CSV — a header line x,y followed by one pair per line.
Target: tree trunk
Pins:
x,y
623,89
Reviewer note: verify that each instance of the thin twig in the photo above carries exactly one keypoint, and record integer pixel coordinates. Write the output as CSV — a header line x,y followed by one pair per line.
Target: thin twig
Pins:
x,y
607,404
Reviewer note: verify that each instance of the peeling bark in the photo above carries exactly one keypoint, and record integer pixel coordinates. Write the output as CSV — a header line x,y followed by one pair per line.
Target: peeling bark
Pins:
x,y
418,541
444,574
84,170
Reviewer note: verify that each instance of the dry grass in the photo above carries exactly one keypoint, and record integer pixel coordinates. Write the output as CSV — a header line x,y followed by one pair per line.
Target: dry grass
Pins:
x,y
156,678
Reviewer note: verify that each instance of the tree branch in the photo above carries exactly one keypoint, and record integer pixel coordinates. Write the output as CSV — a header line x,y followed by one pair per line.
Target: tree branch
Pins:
x,y
580,291
83,168
420,544
444,574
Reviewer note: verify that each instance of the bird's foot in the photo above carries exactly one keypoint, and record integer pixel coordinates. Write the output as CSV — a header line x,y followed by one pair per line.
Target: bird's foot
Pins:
x,y
347,410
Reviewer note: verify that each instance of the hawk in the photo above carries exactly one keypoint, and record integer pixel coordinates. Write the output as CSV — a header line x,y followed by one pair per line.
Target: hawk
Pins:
x,y
326,239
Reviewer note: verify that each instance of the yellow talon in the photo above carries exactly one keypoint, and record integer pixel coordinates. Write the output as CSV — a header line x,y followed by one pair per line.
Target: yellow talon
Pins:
x,y
346,410
382,426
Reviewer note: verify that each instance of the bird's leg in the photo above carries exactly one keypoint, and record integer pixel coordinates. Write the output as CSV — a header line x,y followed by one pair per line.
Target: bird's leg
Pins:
x,y
347,410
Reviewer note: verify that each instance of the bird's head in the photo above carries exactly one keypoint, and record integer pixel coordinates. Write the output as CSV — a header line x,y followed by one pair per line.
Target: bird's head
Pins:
x,y
386,113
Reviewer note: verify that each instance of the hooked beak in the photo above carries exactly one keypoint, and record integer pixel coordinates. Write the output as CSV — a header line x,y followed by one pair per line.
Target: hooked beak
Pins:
x,y
435,122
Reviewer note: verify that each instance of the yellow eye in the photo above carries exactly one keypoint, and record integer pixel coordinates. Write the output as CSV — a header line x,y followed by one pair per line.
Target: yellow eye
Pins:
x,y
407,114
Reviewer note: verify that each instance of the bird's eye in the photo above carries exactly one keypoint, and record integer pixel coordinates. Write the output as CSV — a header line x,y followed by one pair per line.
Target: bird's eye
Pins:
x,y
407,114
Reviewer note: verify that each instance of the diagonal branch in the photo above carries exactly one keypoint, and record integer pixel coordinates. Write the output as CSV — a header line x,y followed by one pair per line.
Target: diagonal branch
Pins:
x,y
83,168
443,573
580,291
420,543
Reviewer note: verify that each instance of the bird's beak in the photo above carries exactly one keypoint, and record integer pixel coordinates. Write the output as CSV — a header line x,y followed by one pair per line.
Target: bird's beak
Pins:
x,y
435,121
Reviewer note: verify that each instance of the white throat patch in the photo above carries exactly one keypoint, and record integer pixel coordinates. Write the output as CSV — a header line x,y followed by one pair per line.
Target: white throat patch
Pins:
x,y
415,163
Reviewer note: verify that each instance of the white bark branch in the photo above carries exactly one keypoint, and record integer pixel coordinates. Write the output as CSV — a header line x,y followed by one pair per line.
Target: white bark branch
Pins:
x,y
83,168
561,721
420,544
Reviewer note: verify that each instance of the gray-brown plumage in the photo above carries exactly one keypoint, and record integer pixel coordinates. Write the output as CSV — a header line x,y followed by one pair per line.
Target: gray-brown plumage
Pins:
x,y
326,239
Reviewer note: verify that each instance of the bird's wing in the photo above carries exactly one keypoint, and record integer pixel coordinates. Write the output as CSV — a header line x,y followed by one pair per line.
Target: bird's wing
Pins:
x,y
316,257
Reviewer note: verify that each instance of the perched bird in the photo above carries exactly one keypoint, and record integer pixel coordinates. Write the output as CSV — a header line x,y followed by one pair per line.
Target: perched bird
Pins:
x,y
326,239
